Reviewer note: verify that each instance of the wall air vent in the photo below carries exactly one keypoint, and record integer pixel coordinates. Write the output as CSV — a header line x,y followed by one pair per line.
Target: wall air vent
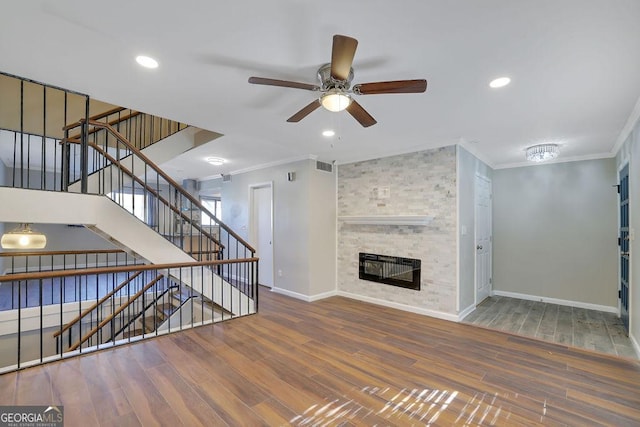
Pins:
x,y
226,178
327,167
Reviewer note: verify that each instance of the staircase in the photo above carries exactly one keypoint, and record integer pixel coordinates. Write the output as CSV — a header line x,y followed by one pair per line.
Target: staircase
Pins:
x,y
120,171
183,307
197,269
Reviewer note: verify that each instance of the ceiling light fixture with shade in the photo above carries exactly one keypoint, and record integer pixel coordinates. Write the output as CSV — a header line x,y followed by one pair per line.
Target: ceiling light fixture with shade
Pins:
x,y
335,100
23,237
542,152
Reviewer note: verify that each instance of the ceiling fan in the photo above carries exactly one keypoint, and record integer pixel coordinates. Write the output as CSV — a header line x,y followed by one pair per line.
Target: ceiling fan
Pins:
x,y
335,85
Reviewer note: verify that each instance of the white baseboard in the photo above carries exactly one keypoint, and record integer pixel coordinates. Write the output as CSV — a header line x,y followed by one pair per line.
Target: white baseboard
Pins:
x,y
635,344
467,311
577,304
400,306
304,297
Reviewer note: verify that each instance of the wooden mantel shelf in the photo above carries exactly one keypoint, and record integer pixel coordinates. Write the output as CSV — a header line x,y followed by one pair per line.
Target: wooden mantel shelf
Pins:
x,y
387,219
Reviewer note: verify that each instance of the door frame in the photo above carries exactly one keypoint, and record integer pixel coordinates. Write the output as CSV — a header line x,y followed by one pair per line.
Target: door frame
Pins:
x,y
475,235
624,163
252,226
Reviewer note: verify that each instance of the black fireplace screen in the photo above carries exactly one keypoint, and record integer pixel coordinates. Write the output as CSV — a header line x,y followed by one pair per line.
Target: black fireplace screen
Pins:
x,y
392,270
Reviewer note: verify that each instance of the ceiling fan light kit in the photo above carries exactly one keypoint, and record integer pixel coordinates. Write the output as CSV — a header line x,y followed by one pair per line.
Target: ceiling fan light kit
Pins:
x,y
335,85
542,152
334,100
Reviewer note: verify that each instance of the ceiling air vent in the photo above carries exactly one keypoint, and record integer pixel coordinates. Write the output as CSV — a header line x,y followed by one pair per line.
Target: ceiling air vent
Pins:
x,y
226,178
327,167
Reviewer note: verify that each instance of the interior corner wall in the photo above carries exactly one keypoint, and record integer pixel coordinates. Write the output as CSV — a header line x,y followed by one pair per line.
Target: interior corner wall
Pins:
x,y
554,231
3,172
322,232
422,183
630,153
468,166
292,219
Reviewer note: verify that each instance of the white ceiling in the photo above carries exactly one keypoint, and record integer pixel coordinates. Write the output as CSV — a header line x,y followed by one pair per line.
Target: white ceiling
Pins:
x,y
574,65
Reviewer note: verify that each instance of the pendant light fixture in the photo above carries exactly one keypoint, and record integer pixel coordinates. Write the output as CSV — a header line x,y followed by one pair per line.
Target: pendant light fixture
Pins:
x,y
23,237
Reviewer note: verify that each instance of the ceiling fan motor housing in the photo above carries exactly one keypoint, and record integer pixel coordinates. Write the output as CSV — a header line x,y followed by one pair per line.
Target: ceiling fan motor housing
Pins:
x,y
327,82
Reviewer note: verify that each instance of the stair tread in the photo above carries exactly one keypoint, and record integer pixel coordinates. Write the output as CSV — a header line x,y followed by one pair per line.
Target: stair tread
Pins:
x,y
165,309
133,333
151,323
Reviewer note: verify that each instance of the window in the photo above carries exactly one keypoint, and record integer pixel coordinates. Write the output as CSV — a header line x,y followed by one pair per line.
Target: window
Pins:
x,y
213,205
134,203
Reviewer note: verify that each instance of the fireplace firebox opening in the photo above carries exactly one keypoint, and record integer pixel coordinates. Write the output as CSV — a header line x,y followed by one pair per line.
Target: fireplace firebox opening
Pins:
x,y
391,270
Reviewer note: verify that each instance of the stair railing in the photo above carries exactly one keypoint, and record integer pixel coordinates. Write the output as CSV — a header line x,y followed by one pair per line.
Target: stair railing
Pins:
x,y
41,261
121,171
98,305
49,332
110,318
141,129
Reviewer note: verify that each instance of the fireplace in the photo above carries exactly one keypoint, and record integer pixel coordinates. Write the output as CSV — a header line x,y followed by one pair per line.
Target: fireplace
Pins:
x,y
392,270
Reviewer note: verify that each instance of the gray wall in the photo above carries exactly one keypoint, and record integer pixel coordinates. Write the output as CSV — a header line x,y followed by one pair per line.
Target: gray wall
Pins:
x,y
3,171
322,232
630,153
468,166
304,223
59,238
33,178
555,229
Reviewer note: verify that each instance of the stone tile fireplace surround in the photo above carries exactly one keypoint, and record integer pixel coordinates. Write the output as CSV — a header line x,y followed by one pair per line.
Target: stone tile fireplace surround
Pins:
x,y
415,184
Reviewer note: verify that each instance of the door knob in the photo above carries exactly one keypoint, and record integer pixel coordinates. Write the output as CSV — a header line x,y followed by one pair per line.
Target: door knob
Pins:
x,y
479,247
624,254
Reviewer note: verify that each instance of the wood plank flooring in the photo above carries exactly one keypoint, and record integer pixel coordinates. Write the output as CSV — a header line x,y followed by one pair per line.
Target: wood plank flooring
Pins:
x,y
579,327
335,362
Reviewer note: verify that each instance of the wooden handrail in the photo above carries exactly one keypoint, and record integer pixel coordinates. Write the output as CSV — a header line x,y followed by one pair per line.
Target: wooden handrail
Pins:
x,y
96,304
115,313
176,210
50,253
75,138
96,117
170,181
118,269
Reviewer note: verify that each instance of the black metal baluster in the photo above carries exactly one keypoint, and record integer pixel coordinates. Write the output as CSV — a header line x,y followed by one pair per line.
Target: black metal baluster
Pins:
x,y
43,175
21,133
41,323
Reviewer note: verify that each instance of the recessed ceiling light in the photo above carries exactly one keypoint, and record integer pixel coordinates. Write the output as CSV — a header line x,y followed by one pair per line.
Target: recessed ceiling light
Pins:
x,y
500,82
146,61
215,161
328,133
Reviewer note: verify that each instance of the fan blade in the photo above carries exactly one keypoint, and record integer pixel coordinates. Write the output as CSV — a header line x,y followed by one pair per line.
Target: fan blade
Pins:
x,y
360,114
282,83
398,86
342,53
304,112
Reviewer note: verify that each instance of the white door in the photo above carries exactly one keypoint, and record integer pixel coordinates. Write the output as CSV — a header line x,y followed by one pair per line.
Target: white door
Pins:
x,y
483,238
262,230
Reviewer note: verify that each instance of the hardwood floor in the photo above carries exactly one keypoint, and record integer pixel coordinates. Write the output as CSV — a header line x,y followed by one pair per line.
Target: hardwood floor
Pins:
x,y
335,362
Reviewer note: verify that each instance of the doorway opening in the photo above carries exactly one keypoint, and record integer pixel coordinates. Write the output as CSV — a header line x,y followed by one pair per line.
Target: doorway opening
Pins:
x,y
261,229
483,238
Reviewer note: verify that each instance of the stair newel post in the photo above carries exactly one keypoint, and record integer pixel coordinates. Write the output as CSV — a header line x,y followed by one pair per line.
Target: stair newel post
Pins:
x,y
84,150
254,282
66,161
